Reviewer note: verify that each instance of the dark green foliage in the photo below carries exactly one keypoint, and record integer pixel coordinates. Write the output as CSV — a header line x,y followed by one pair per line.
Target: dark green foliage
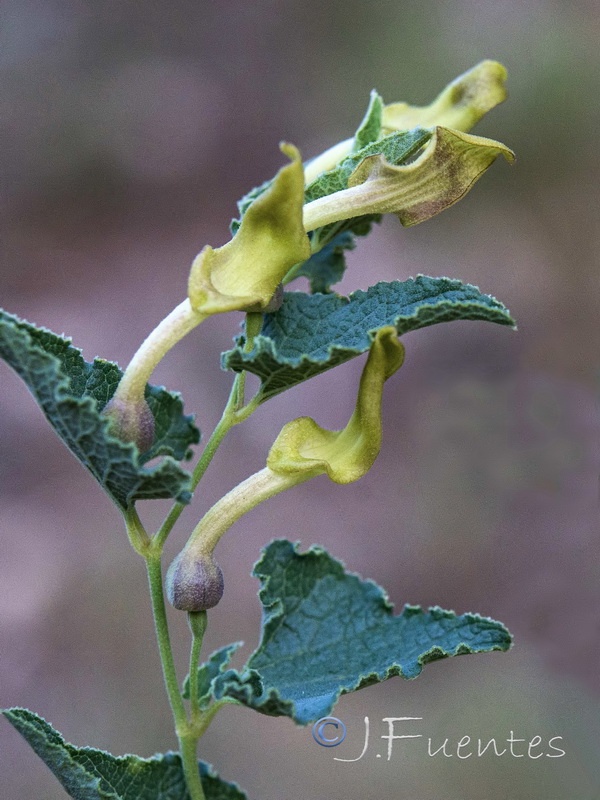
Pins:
x,y
72,394
310,334
326,632
89,774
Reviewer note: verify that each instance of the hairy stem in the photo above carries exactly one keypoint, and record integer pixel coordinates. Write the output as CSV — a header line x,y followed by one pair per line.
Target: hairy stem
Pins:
x,y
187,737
187,748
233,413
207,716
223,427
155,580
138,538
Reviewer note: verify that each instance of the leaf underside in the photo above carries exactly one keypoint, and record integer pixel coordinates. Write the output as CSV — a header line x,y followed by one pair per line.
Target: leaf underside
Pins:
x,y
369,129
310,334
72,393
90,774
327,267
326,632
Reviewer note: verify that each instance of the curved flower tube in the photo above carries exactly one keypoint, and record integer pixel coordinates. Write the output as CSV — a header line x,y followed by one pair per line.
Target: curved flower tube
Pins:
x,y
304,447
444,172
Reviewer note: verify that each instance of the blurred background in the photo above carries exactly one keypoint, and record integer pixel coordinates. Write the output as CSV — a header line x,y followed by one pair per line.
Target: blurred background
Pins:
x,y
128,131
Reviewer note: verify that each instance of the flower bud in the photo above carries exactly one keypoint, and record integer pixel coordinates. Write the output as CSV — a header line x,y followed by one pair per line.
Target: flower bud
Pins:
x,y
194,582
131,422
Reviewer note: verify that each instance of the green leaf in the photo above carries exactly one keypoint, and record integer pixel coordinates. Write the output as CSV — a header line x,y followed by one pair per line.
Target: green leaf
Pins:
x,y
72,394
328,265
369,129
208,672
326,633
89,774
310,334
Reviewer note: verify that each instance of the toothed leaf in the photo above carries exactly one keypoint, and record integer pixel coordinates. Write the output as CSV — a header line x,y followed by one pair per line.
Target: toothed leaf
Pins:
x,y
310,334
72,394
326,632
216,664
90,774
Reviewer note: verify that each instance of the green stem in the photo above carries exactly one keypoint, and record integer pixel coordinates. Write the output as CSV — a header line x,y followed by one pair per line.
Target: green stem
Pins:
x,y
194,661
188,731
233,414
138,538
186,736
253,327
198,622
225,424
161,625
207,716
187,747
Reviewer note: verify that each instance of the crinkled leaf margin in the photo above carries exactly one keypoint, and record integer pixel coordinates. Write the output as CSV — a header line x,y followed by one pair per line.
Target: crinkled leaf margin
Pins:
x,y
90,774
326,633
310,334
209,672
72,393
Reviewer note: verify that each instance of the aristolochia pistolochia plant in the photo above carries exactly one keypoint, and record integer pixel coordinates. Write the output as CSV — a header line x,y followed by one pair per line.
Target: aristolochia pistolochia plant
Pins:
x,y
409,161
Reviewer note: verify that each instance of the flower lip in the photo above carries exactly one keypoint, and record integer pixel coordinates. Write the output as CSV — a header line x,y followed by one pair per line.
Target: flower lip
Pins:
x,y
245,272
305,449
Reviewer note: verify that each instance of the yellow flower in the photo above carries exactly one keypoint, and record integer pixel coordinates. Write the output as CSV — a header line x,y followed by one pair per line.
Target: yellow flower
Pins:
x,y
244,273
444,172
459,106
304,449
